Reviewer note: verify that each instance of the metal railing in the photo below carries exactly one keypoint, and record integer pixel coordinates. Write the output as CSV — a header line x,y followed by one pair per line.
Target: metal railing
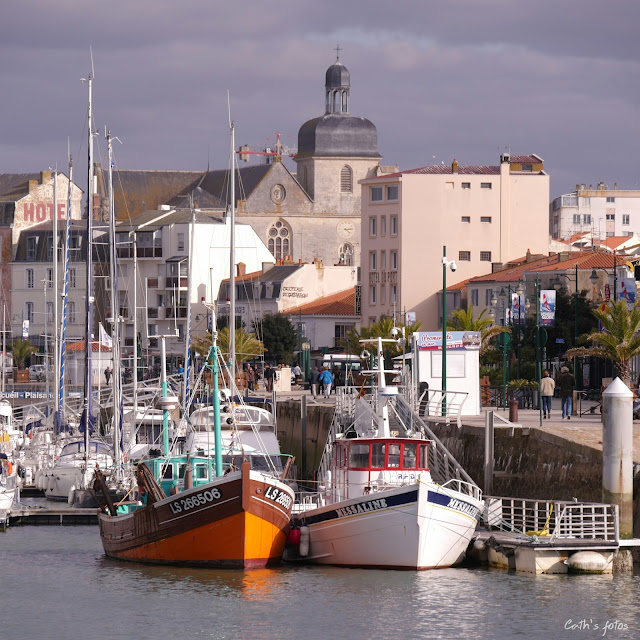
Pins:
x,y
442,406
555,519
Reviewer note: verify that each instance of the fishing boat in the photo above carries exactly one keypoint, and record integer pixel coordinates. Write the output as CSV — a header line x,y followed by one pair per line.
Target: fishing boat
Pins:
x,y
390,497
202,510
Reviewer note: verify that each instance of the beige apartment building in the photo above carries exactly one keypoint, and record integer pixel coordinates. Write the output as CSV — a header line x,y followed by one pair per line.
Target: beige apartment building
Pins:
x,y
484,215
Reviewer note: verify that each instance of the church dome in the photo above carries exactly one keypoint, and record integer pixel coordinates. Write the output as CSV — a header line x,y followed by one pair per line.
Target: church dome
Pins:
x,y
338,134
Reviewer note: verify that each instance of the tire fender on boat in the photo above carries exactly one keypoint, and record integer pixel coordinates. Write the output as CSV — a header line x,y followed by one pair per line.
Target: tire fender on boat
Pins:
x,y
304,541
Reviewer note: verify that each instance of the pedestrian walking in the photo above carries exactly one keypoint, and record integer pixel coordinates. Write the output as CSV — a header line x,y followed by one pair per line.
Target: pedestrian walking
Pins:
x,y
327,380
313,381
107,374
268,378
251,378
547,387
566,381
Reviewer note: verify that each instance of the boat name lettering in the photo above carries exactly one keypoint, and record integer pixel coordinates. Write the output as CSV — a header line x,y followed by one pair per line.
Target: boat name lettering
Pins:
x,y
196,500
278,496
365,507
458,505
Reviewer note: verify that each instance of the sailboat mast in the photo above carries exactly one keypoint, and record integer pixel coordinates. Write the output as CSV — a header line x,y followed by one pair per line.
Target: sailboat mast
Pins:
x,y
115,325
65,298
232,264
89,280
56,382
187,347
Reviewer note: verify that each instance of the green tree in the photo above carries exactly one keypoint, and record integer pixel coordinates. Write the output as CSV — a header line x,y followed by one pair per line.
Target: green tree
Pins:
x,y
463,320
382,328
22,349
278,337
247,345
618,341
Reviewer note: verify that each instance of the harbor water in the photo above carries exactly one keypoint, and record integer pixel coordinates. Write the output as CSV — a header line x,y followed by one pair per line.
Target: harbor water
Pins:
x,y
57,584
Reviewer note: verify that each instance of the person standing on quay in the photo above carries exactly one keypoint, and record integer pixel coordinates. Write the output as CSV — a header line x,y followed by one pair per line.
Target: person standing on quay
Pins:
x,y
326,379
565,384
313,381
547,387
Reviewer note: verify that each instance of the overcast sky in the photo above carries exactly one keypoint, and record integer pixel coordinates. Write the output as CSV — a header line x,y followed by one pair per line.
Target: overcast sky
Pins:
x,y
441,79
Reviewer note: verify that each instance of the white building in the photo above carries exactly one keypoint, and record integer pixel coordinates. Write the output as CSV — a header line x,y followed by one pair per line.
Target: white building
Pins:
x,y
599,212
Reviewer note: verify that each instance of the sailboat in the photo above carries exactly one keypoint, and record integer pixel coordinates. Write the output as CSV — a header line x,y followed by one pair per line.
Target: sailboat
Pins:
x,y
201,509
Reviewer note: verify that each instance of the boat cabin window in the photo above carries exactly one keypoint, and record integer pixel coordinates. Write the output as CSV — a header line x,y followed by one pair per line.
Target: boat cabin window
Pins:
x,y
424,456
167,472
358,456
409,455
182,469
201,472
377,455
394,455
149,433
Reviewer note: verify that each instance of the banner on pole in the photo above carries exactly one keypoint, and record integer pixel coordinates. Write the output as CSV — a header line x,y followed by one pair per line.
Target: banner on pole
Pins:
x,y
547,308
627,291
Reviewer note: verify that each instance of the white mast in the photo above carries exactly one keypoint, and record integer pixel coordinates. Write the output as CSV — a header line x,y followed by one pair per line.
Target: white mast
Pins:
x,y
56,364
187,341
232,259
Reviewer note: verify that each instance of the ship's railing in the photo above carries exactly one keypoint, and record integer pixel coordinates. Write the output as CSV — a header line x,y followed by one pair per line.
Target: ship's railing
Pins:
x,y
442,465
553,520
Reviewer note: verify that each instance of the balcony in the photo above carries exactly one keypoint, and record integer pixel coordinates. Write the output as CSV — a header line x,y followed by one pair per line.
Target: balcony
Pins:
x,y
175,312
174,282
152,283
152,312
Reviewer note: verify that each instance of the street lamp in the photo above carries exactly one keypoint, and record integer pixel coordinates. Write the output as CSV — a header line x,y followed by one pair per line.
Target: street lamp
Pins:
x,y
451,265
503,338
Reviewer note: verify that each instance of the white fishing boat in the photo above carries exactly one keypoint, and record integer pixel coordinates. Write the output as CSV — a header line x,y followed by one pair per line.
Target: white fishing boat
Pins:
x,y
9,484
390,495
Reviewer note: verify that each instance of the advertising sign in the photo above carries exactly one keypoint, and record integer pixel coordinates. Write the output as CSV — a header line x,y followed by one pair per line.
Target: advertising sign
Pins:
x,y
518,314
432,341
547,308
627,291
25,329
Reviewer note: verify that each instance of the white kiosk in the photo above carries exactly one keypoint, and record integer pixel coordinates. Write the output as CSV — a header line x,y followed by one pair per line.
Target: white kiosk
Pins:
x,y
463,364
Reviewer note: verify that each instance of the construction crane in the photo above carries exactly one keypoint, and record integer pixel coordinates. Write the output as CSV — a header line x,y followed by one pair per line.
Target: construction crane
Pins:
x,y
277,151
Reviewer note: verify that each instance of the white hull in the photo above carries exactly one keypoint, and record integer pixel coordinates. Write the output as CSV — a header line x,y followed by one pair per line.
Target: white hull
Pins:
x,y
420,526
9,492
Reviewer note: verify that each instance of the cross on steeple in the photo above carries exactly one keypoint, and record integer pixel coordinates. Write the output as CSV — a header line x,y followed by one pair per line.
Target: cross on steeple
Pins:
x,y
338,50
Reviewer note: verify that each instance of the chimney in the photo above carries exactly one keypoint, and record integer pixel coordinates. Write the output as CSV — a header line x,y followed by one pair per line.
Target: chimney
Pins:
x,y
454,166
33,185
496,266
45,176
615,186
241,268
267,266
577,187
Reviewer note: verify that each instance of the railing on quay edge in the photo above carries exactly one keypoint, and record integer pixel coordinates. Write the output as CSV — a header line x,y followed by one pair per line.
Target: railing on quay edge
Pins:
x,y
553,518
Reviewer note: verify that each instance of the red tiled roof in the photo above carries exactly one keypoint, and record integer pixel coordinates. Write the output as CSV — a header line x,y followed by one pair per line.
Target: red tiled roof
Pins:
x,y
80,345
342,303
614,241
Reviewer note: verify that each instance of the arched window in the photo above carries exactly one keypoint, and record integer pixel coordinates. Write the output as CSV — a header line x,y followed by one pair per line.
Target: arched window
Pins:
x,y
345,254
279,240
346,179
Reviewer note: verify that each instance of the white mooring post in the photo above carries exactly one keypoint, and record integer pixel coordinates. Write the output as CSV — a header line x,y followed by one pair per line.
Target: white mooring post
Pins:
x,y
617,456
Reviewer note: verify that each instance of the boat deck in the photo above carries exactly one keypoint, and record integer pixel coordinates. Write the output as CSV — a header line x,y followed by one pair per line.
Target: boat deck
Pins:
x,y
18,516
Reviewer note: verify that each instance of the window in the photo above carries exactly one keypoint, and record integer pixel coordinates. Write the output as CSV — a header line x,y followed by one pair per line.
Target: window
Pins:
x,y
527,167
373,227
448,186
50,249
625,218
392,193
345,254
32,245
373,263
485,219
376,194
181,242
488,294
586,218
71,312
464,256
474,297
485,256
394,294
358,456
576,218
611,216
610,200
29,311
153,329
383,225
372,294
485,185
377,455
466,218
72,278
279,240
394,260
466,185
628,234
30,279
346,180
383,260
49,278
394,225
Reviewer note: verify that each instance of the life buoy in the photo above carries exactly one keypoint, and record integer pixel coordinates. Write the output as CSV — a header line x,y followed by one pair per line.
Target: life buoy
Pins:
x,y
7,467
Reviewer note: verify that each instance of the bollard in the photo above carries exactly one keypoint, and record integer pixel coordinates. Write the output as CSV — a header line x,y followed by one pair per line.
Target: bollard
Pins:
x,y
513,410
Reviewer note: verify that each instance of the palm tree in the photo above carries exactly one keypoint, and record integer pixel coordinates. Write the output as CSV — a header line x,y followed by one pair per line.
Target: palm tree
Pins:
x,y
247,345
619,340
22,349
380,329
462,320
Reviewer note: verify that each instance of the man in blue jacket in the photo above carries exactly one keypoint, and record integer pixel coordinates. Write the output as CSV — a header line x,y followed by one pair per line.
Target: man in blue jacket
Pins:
x,y
326,379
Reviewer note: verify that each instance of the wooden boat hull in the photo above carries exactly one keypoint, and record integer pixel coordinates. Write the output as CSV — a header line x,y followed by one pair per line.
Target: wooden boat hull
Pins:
x,y
237,521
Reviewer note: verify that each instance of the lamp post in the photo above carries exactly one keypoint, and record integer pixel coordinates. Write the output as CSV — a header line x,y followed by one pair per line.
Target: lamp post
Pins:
x,y
575,320
519,292
503,338
452,265
538,340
